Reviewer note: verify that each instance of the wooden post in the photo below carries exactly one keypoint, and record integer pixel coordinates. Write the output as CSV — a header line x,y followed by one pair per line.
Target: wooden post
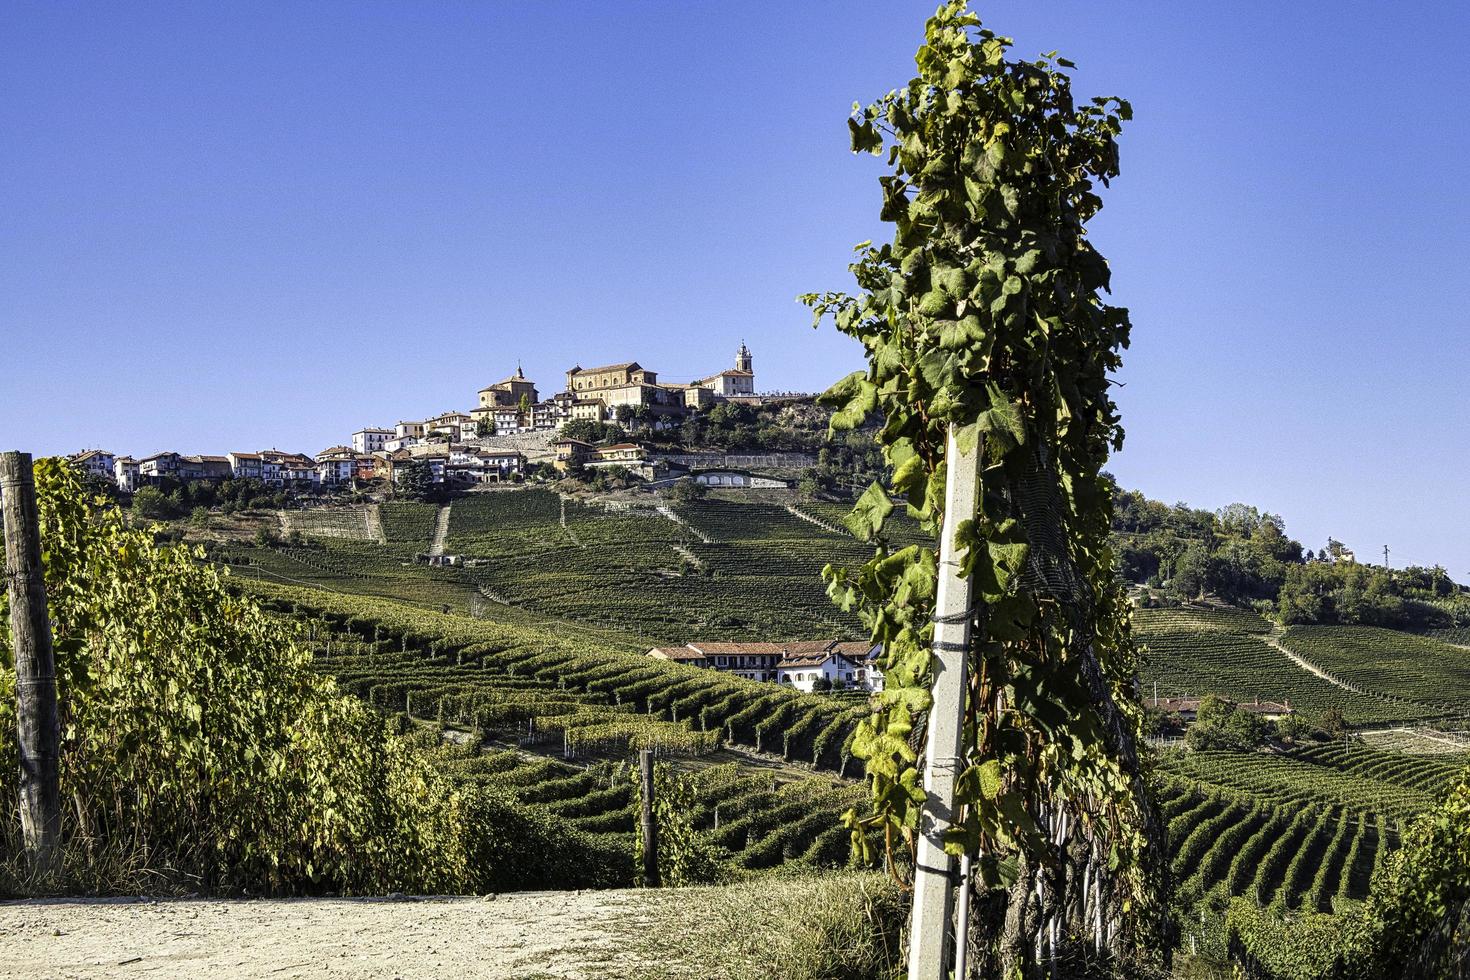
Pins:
x,y
650,826
35,668
931,923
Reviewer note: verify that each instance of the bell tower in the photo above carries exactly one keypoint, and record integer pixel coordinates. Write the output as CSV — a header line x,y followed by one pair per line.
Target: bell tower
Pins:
x,y
743,359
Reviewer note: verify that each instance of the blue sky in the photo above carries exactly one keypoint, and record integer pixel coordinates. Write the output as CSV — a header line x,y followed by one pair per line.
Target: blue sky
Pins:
x,y
230,226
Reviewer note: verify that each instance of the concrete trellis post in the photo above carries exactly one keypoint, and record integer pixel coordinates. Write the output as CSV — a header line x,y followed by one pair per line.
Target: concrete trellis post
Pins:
x,y
931,926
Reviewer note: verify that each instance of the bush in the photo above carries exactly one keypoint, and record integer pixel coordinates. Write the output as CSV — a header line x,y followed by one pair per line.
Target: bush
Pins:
x,y
153,503
199,747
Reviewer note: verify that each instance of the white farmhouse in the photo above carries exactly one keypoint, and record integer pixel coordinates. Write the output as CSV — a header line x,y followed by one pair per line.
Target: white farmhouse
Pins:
x,y
798,664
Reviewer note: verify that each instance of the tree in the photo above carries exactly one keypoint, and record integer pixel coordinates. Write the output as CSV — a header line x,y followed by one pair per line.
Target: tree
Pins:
x,y
984,319
484,426
687,490
415,479
153,503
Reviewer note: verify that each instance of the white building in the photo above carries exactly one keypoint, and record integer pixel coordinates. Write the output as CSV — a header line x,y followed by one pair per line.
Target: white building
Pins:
x,y
246,466
800,664
738,479
728,384
336,466
370,440
96,462
125,472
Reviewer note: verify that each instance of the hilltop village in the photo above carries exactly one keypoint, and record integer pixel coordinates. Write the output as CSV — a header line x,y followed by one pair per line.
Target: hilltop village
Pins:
x,y
492,442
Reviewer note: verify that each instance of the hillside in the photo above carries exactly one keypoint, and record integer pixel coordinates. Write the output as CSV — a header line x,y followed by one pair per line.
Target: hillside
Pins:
x,y
557,598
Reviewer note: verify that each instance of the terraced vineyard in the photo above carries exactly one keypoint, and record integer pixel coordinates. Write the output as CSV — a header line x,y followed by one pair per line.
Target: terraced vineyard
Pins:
x,y
1418,669
408,522
355,523
1197,652
751,821
561,716
1304,829
586,693
758,576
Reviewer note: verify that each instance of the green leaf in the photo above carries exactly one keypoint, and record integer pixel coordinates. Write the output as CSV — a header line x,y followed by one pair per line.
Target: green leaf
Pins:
x,y
869,513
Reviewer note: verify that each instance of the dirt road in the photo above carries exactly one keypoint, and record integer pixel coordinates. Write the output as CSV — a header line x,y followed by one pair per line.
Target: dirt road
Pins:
x,y
541,934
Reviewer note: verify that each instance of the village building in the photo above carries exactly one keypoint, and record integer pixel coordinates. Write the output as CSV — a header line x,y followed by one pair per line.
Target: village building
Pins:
x,y
95,462
370,440
454,426
288,469
588,410
571,452
159,466
735,383
125,472
210,467
400,442
336,466
246,466
408,430
580,379
510,392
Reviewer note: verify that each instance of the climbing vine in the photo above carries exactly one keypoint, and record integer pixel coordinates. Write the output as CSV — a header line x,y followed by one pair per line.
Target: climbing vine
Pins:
x,y
985,315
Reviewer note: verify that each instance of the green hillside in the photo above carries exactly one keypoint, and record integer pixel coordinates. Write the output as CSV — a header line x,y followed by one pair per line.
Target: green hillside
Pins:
x,y
557,598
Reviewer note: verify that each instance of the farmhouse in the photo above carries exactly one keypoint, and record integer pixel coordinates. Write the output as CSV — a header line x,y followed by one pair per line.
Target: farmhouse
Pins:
x,y
804,665
1188,708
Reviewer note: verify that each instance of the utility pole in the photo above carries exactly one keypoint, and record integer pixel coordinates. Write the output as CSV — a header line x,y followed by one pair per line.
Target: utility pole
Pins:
x,y
932,933
35,668
1385,556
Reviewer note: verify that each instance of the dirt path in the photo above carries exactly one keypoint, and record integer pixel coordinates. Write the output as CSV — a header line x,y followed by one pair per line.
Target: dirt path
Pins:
x,y
536,934
668,512
795,511
441,530
1272,640
374,518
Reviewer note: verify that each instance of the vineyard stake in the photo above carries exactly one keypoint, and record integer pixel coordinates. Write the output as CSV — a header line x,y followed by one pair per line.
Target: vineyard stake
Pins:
x,y
649,825
35,668
930,926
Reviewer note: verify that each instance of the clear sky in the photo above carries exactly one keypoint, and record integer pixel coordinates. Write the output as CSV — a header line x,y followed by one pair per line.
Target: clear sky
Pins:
x,y
232,226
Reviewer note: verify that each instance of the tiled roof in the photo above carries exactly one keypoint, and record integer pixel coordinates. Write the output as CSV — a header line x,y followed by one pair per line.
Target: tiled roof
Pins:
x,y
739,648
804,660
858,649
677,653
627,365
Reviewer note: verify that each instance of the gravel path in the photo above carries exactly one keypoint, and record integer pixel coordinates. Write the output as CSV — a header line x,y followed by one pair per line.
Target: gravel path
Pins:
x,y
528,935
